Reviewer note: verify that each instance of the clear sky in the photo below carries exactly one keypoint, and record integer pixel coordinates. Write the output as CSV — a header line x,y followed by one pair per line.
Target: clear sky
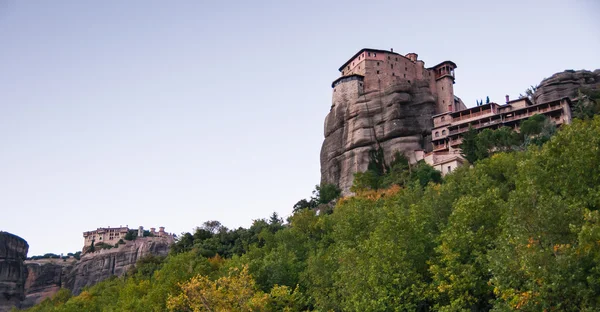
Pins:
x,y
171,113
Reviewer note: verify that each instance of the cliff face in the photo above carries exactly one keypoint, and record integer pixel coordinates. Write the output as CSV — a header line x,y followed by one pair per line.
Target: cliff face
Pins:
x,y
399,118
13,251
26,283
566,84
100,265
45,277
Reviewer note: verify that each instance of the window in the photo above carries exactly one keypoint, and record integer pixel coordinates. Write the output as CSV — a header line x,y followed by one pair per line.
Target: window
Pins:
x,y
393,74
378,72
443,118
409,81
392,66
396,59
348,67
442,88
388,57
374,54
437,134
369,54
377,63
405,68
449,168
404,75
443,132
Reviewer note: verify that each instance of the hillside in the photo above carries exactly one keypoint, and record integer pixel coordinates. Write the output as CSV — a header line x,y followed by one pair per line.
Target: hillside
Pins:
x,y
519,230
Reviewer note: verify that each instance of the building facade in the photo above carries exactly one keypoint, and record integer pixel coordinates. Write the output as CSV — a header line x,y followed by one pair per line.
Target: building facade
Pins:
x,y
112,236
106,235
372,70
449,127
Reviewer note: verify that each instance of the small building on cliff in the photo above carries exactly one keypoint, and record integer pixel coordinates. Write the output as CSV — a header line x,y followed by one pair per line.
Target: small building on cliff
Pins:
x,y
112,236
373,70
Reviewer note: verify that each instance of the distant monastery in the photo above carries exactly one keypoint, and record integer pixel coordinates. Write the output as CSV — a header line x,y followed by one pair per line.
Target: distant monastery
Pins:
x,y
111,236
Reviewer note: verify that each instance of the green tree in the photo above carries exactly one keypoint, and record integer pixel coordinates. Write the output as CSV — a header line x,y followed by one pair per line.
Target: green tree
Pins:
x,y
587,105
469,148
326,192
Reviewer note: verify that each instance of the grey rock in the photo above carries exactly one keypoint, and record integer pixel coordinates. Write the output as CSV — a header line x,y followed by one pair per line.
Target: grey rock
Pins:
x,y
566,84
13,251
398,119
24,283
98,266
45,277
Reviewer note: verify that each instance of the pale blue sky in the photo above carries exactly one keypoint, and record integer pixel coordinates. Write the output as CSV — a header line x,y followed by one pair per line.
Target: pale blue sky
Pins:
x,y
171,113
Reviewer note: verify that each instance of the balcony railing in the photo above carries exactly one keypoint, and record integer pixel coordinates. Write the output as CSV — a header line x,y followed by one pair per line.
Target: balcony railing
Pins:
x,y
439,148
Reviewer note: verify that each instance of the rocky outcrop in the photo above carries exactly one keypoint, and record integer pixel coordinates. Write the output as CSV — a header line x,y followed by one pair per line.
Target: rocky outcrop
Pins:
x,y
100,265
45,277
13,251
26,283
397,119
566,84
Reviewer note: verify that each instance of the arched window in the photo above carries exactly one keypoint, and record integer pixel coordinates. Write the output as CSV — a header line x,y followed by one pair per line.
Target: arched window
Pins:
x,y
443,132
443,117
437,134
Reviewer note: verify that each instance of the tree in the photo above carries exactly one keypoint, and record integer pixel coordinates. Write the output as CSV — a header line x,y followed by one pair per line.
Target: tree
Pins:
x,y
487,100
235,292
469,146
303,204
399,172
529,93
587,105
368,180
212,226
424,173
131,235
326,192
537,130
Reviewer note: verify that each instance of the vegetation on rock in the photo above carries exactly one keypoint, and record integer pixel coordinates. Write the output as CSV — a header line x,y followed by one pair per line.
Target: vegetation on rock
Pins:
x,y
517,231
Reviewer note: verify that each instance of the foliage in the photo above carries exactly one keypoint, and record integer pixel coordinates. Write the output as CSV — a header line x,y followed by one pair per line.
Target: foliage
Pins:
x,y
131,235
235,292
529,93
536,130
587,105
322,194
399,172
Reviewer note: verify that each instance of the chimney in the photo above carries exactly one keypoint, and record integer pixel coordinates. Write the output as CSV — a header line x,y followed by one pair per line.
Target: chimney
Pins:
x,y
392,49
507,98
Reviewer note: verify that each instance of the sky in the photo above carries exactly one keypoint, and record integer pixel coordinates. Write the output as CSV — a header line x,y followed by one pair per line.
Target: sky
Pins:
x,y
172,113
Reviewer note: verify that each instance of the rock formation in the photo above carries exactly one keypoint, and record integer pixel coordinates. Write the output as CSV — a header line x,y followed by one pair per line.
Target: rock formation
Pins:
x,y
566,84
13,251
396,119
45,277
24,283
98,266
